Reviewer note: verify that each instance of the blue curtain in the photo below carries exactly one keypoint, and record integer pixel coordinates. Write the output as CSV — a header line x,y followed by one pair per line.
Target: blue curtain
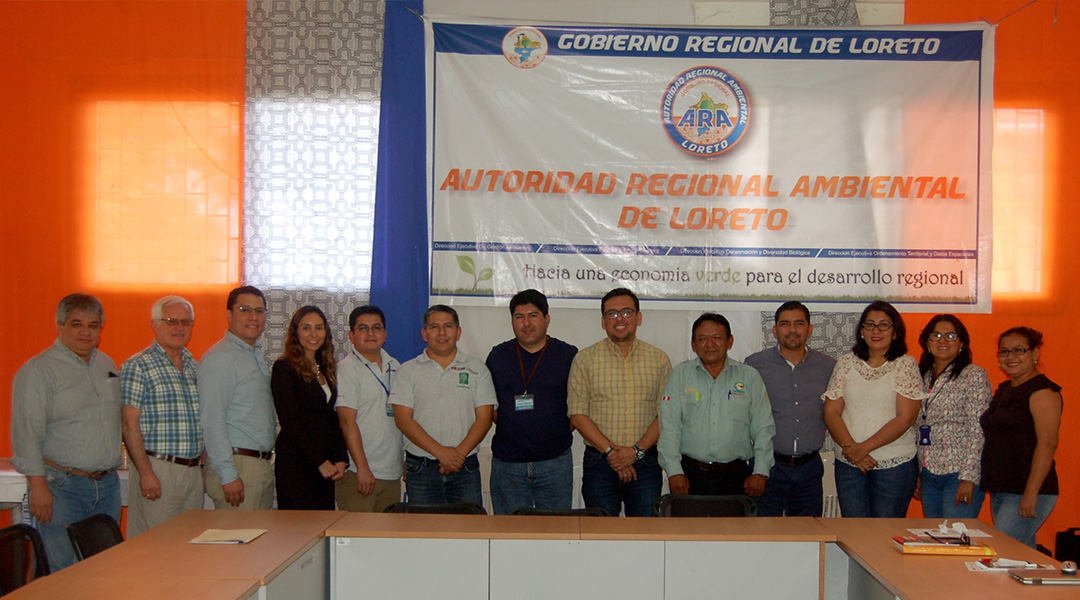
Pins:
x,y
399,265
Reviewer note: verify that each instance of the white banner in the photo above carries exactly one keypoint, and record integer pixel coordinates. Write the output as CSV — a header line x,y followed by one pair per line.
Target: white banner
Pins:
x,y
745,166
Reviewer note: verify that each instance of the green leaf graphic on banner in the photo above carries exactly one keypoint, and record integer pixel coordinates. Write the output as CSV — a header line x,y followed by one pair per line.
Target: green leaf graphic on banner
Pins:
x,y
466,264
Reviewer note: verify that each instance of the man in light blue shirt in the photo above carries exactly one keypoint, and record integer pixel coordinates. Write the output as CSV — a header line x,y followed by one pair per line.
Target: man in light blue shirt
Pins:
x,y
236,409
716,425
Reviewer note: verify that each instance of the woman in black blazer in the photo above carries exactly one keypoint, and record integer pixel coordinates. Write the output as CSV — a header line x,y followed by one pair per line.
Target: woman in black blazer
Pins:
x,y
311,453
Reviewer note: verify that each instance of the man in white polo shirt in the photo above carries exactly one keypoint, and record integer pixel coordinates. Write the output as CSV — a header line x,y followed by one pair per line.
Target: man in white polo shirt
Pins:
x,y
373,480
443,402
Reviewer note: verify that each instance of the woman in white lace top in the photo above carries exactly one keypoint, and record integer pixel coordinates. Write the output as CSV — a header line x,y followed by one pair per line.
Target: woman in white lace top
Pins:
x,y
871,404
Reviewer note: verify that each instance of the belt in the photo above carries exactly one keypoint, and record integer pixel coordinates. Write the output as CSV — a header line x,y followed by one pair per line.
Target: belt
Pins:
x,y
253,453
79,472
411,456
186,462
737,464
650,452
795,461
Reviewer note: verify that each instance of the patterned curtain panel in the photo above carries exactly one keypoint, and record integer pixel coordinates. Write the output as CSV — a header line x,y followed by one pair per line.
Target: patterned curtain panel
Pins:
x,y
812,13
313,74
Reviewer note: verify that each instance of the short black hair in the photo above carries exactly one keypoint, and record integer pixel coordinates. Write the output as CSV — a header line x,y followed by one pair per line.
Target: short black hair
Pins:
x,y
898,347
441,308
530,296
1034,337
615,293
791,305
244,289
367,309
717,318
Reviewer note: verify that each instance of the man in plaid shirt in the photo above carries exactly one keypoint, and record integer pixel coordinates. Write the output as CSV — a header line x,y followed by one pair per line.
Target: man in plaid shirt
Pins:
x,y
161,420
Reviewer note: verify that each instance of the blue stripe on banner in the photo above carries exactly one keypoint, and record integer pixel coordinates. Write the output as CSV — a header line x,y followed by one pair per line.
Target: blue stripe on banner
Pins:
x,y
796,44
605,250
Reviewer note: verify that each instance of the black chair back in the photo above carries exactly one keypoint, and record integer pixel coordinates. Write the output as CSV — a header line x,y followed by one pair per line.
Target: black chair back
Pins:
x,y
686,505
594,511
454,508
94,534
22,557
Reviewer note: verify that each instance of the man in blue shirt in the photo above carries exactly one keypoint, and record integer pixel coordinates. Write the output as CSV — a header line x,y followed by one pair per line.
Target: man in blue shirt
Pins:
x,y
796,377
531,465
236,409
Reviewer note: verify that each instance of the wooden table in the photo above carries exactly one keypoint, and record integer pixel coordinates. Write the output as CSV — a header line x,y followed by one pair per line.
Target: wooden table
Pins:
x,y
518,557
109,588
871,568
288,561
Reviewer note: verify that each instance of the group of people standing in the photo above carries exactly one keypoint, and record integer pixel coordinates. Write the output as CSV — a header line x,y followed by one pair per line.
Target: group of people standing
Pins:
x,y
344,431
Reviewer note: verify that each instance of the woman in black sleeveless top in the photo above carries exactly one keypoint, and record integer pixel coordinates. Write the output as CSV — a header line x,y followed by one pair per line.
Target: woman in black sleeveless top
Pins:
x,y
1021,428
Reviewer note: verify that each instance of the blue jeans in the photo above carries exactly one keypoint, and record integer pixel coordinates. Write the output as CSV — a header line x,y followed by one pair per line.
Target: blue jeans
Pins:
x,y
939,497
74,499
1005,509
547,484
424,484
600,485
882,493
793,491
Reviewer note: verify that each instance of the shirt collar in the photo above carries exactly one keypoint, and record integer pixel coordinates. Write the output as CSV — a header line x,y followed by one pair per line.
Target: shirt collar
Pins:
x,y
70,353
612,346
235,339
185,354
385,356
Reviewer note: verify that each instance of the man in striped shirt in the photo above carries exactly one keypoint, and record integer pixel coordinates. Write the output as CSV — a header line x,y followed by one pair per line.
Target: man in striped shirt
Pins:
x,y
613,400
161,420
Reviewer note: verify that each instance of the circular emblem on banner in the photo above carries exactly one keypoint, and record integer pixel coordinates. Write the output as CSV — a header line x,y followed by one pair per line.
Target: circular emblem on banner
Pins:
x,y
705,111
525,47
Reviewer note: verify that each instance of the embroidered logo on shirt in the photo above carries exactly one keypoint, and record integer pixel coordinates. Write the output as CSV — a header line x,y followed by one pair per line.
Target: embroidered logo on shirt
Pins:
x,y
666,399
463,378
739,388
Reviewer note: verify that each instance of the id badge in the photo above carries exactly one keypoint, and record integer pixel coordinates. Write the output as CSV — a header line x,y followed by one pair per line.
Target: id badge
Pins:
x,y
389,409
523,402
924,435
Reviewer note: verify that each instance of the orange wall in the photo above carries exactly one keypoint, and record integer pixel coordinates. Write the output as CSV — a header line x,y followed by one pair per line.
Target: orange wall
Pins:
x,y
60,54
57,57
1036,66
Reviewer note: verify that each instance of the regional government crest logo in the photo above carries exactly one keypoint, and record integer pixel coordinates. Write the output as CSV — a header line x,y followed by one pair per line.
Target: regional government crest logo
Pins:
x,y
705,111
525,47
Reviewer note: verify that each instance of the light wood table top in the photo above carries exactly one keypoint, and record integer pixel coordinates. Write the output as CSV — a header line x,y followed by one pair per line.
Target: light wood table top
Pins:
x,y
738,529
165,551
407,525
869,542
113,588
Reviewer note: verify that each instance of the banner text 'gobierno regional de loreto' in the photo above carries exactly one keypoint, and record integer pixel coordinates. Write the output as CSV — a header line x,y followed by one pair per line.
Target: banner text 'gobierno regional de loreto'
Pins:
x,y
746,166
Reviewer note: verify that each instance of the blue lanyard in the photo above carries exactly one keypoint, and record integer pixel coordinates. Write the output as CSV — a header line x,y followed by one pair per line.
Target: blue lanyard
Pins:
x,y
389,374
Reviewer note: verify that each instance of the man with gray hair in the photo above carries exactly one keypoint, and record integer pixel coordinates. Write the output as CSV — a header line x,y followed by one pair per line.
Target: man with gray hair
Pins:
x,y
161,420
65,428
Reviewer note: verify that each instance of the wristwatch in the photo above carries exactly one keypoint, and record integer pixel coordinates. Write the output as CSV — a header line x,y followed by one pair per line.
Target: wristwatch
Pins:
x,y
608,451
638,452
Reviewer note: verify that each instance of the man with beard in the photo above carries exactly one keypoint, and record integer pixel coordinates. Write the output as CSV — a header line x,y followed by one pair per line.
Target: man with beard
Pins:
x,y
795,377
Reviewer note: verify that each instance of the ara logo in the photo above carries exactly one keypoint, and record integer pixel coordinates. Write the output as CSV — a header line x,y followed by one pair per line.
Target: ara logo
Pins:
x,y
525,47
705,111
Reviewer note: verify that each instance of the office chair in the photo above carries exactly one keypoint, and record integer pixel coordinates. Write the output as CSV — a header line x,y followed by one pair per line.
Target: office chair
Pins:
x,y
22,557
686,505
595,511
455,508
94,534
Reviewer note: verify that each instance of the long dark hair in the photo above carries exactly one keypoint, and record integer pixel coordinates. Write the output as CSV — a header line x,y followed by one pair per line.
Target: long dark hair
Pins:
x,y
324,356
898,347
962,358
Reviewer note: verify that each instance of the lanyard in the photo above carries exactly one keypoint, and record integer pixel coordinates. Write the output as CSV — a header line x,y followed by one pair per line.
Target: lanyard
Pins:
x,y
389,374
521,364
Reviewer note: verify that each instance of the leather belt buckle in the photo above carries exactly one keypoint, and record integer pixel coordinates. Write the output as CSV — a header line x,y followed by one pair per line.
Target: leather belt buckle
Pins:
x,y
253,453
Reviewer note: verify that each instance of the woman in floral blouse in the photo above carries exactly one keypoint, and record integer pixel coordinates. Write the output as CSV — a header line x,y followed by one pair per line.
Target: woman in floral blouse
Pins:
x,y
871,404
949,436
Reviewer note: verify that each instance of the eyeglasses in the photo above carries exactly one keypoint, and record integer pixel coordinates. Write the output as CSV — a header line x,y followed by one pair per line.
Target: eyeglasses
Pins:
x,y
625,313
371,328
1004,352
882,326
248,310
174,322
937,335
